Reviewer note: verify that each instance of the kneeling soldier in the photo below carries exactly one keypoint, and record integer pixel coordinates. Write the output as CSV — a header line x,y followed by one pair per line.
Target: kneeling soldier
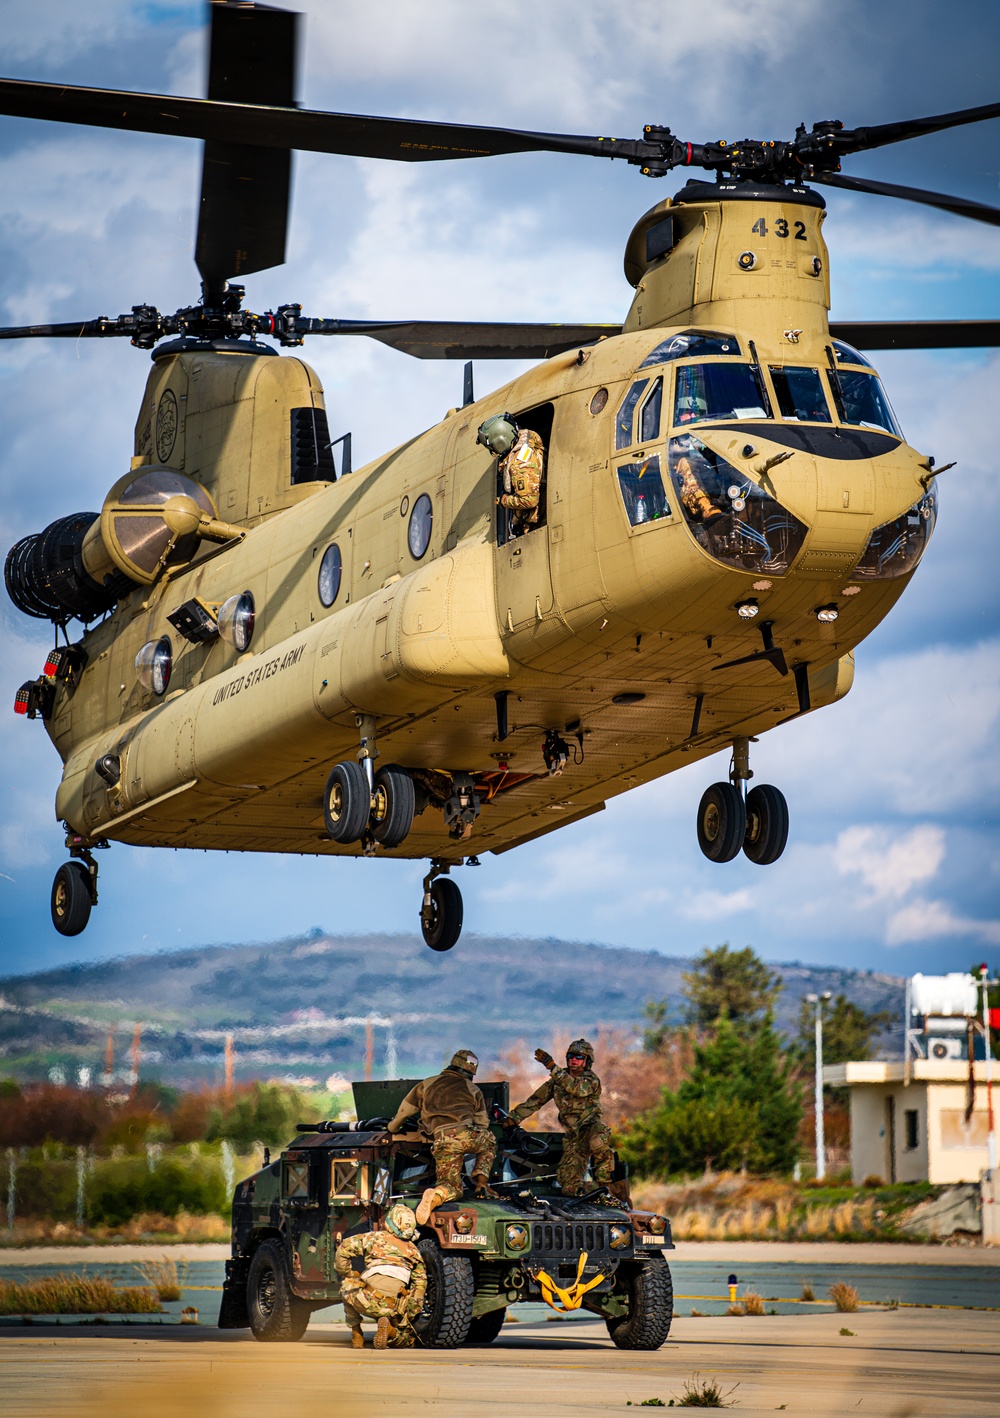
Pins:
x,y
391,1286
577,1093
453,1115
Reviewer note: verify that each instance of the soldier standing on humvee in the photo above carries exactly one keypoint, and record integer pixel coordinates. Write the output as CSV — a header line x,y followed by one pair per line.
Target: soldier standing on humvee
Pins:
x,y
453,1115
576,1090
392,1285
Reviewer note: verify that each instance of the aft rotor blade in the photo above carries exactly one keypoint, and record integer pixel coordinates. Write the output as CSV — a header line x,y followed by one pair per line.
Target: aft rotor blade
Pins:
x,y
245,188
350,134
961,206
917,334
455,339
860,139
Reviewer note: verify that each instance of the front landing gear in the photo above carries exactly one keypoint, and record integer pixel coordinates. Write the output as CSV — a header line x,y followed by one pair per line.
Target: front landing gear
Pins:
x,y
441,911
729,817
74,890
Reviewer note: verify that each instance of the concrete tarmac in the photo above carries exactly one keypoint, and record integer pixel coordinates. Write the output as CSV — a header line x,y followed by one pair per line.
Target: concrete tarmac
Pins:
x,y
893,1363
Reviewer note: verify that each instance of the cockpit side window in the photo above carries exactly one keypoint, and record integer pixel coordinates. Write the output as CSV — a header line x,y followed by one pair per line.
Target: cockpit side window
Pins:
x,y
649,414
623,423
861,400
800,393
692,344
719,391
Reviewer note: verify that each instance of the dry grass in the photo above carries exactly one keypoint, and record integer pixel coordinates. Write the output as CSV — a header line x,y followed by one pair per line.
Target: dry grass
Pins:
x,y
808,1293
148,1226
729,1207
844,1296
703,1393
751,1304
74,1295
164,1276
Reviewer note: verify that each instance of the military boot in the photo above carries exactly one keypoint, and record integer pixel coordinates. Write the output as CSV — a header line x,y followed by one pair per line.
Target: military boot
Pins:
x,y
357,1338
482,1185
432,1197
385,1334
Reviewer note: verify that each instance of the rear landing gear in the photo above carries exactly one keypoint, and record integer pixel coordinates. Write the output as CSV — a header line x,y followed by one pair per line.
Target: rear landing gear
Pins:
x,y
441,911
729,817
74,890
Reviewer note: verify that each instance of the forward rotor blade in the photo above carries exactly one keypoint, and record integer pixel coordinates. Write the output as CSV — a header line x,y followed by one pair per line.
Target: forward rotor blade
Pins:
x,y
861,139
961,206
453,339
75,330
245,189
917,334
350,134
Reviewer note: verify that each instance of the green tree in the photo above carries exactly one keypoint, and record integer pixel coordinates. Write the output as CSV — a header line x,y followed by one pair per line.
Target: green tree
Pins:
x,y
739,1106
266,1113
734,983
848,1031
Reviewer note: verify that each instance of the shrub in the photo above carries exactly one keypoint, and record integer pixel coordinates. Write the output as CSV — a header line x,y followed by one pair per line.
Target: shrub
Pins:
x,y
844,1296
74,1295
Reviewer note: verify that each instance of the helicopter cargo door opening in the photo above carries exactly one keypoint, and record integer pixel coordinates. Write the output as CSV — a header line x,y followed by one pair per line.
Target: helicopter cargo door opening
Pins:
x,y
523,575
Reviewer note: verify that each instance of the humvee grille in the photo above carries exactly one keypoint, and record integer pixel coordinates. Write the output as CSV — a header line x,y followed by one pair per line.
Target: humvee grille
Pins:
x,y
569,1238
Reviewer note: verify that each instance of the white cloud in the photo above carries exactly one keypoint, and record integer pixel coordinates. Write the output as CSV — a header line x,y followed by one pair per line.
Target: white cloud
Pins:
x,y
717,905
931,920
890,871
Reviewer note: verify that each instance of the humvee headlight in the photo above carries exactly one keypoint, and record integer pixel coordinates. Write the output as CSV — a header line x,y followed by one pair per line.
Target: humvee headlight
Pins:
x,y
464,1223
517,1237
153,664
657,1225
236,620
621,1236
826,615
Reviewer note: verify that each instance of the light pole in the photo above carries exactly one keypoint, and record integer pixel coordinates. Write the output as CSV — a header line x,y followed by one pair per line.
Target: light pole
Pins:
x,y
991,1136
819,1001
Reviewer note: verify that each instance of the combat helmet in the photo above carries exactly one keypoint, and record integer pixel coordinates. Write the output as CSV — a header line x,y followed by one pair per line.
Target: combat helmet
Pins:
x,y
498,433
401,1221
584,1047
465,1061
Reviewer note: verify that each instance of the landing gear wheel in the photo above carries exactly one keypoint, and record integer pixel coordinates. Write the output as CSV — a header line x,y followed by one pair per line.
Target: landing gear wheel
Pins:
x,y
649,1291
446,1317
485,1328
71,899
767,824
346,802
442,923
393,806
275,1313
722,822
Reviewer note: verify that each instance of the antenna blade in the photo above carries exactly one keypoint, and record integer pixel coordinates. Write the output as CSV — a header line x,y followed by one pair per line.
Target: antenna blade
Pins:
x,y
961,206
918,334
860,139
245,188
468,340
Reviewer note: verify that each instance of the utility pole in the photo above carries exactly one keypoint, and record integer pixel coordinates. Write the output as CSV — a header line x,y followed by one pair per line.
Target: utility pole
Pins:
x,y
819,1001
991,1136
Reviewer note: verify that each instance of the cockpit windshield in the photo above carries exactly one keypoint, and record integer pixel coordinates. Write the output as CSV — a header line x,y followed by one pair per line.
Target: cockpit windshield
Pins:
x,y
861,400
692,344
847,354
799,393
719,391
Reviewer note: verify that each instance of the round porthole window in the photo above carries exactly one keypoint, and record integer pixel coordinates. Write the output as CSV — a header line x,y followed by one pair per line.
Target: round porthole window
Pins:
x,y
330,569
153,665
236,620
421,520
599,400
404,506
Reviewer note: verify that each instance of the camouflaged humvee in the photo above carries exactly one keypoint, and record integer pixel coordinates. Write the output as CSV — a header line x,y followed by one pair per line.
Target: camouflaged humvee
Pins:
x,y
482,1256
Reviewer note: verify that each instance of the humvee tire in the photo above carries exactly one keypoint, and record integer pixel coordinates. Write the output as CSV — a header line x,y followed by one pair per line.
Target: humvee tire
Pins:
x,y
485,1328
650,1293
275,1313
446,1317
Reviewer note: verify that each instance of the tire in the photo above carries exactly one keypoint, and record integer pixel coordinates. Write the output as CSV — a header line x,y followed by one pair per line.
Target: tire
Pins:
x,y
485,1328
767,825
393,806
276,1315
346,802
650,1293
722,822
446,1317
71,901
445,925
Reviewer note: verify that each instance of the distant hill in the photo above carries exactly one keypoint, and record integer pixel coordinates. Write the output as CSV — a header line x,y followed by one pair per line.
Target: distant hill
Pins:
x,y
299,1006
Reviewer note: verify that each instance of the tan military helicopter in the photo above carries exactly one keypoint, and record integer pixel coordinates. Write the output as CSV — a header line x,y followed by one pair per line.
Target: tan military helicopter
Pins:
x,y
280,655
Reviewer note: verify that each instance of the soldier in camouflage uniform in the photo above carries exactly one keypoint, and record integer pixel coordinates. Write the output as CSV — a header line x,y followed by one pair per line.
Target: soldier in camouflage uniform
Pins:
x,y
453,1117
391,1287
522,470
577,1093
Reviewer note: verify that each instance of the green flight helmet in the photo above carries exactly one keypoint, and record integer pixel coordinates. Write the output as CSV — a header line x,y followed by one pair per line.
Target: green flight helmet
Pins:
x,y
466,1061
584,1049
498,433
402,1222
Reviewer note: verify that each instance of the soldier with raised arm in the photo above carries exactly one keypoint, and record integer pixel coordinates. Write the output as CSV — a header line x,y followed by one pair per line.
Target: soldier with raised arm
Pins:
x,y
453,1116
576,1091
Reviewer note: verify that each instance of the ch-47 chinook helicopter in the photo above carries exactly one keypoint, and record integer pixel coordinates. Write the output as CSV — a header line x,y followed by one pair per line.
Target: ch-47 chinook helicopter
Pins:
x,y
279,655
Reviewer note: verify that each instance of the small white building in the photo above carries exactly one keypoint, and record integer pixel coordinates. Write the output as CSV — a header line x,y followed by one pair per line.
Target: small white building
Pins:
x,y
916,1131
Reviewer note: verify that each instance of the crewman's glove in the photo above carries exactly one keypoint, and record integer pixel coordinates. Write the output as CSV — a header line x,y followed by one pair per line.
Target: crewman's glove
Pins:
x,y
544,1058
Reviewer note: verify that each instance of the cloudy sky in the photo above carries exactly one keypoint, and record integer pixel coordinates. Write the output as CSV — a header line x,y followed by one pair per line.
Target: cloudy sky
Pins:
x,y
894,857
